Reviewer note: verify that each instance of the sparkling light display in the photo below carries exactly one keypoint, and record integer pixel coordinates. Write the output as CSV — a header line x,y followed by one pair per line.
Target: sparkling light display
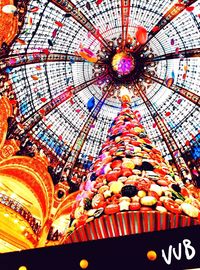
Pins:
x,y
123,63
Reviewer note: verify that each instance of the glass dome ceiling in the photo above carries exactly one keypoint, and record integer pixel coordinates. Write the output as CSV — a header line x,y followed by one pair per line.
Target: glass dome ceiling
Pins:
x,y
48,64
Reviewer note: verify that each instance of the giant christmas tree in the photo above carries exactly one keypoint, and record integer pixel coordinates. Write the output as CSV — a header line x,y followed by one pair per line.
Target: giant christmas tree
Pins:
x,y
131,188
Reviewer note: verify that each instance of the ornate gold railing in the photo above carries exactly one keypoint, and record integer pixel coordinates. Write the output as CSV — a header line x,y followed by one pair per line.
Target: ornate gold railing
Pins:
x,y
23,211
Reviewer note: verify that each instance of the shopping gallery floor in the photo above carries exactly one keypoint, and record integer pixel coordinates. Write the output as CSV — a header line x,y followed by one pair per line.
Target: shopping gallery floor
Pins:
x,y
99,134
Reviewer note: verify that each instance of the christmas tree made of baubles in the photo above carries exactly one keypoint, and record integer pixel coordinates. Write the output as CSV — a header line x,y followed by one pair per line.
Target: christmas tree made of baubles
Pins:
x,y
130,176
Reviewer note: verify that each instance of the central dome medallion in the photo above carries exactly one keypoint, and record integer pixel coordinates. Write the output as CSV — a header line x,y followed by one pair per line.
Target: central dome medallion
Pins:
x,y
123,63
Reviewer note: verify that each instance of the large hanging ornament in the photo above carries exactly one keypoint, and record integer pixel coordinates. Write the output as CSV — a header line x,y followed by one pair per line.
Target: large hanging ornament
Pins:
x,y
141,35
123,63
90,104
87,54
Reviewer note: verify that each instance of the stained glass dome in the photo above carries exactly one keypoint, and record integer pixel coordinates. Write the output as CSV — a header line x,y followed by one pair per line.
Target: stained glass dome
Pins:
x,y
48,64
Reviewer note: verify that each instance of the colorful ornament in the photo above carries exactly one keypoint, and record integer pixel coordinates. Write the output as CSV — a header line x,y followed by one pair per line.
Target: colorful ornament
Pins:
x,y
190,8
99,2
169,82
123,63
59,24
90,104
34,9
141,35
87,55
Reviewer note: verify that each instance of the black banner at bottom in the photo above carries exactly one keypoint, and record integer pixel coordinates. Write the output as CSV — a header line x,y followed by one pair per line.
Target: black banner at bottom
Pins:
x,y
171,249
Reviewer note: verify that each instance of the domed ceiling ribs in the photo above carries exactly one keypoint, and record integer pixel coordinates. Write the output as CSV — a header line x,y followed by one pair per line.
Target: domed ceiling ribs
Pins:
x,y
125,13
80,140
37,116
36,58
172,13
190,53
104,24
177,89
166,135
71,9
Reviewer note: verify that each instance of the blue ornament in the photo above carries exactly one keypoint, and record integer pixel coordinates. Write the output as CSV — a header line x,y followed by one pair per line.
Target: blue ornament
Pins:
x,y
90,104
93,176
8,69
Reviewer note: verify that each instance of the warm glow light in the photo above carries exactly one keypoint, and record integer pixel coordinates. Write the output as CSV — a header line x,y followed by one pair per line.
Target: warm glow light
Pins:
x,y
83,264
16,221
125,95
13,195
123,63
22,268
22,227
151,255
6,215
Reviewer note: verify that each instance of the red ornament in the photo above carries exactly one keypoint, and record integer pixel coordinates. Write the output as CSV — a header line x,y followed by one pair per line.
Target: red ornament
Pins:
x,y
49,126
155,29
160,171
46,51
184,192
116,164
184,76
177,50
141,35
42,111
82,220
34,9
59,24
144,184
167,114
127,172
180,5
153,194
169,82
99,2
187,143
134,206
71,101
190,9
96,201
43,99
146,140
179,101
172,206
113,150
135,143
112,209
112,176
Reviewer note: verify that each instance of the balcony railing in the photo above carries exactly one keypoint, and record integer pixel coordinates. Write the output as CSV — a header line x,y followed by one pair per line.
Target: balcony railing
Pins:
x,y
23,211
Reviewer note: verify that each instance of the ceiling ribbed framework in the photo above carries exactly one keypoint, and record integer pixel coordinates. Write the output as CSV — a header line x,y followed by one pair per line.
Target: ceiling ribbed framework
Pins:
x,y
54,77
